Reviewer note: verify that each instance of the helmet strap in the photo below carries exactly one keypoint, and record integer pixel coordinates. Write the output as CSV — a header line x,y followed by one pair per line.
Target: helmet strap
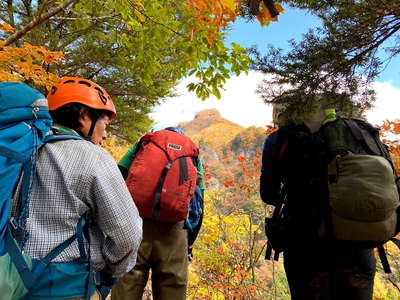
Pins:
x,y
94,120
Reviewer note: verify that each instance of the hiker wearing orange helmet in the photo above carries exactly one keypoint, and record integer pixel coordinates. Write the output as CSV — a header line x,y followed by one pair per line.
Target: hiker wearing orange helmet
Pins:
x,y
77,192
73,97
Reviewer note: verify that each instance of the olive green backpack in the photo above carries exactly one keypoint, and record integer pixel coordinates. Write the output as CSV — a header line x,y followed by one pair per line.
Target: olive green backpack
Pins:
x,y
362,184
362,208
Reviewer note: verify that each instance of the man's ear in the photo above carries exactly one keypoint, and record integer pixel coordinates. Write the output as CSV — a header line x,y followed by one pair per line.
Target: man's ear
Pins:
x,y
84,117
84,114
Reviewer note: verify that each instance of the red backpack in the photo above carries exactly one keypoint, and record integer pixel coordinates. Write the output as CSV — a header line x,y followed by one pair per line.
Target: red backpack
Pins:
x,y
163,174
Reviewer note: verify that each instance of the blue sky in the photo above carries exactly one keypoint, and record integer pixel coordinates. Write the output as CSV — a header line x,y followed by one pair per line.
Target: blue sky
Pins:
x,y
241,104
292,25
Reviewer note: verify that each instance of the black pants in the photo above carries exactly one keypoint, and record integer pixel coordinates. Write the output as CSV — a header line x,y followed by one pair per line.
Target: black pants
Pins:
x,y
329,272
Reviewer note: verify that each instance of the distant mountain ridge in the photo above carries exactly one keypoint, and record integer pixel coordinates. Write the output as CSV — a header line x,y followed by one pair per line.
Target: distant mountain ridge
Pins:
x,y
220,140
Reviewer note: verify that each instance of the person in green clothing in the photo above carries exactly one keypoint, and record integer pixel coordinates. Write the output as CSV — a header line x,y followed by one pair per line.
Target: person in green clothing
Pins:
x,y
166,248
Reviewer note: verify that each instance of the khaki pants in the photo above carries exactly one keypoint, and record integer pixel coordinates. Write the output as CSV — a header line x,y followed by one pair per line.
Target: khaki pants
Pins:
x,y
164,251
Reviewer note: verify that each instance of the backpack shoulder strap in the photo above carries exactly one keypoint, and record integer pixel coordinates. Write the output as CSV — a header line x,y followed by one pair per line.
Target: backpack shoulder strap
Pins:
x,y
139,146
384,260
279,148
367,136
62,135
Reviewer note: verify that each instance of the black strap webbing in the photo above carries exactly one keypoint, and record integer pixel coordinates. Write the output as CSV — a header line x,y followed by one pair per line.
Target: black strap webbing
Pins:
x,y
384,260
268,251
157,195
183,170
396,242
275,220
383,256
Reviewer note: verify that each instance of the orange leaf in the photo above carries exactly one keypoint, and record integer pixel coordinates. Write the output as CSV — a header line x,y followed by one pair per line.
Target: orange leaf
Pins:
x,y
270,129
207,176
242,158
228,183
6,27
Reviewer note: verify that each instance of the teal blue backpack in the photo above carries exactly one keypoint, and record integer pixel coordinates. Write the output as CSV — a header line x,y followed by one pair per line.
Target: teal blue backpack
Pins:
x,y
25,125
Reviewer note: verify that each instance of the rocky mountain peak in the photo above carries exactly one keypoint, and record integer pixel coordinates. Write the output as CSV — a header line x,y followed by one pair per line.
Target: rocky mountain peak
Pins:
x,y
208,114
204,119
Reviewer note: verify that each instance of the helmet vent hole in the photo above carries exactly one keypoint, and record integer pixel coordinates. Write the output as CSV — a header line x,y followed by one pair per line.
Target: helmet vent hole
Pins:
x,y
85,83
53,90
69,81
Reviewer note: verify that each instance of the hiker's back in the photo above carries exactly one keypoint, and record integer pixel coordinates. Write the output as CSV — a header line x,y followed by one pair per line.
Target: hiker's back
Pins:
x,y
163,180
323,258
69,201
303,169
61,192
340,180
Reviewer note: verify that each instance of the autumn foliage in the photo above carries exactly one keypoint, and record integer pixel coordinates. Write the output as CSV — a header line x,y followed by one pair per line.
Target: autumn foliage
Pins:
x,y
214,15
229,253
26,63
391,136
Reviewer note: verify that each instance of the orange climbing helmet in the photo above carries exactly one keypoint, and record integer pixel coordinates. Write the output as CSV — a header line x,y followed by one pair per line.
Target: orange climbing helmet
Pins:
x,y
75,89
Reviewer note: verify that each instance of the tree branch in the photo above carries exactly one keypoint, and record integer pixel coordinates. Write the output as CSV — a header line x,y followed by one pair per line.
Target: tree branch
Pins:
x,y
28,7
394,284
84,18
377,42
141,11
37,21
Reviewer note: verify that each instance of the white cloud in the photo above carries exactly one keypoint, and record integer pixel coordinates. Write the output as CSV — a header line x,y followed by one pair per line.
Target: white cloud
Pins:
x,y
387,105
240,104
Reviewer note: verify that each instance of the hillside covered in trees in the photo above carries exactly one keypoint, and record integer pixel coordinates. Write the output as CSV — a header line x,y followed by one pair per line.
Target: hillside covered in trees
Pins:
x,y
229,253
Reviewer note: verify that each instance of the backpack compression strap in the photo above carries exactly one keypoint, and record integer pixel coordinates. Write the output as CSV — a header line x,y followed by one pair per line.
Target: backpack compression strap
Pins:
x,y
275,219
383,257
183,176
30,277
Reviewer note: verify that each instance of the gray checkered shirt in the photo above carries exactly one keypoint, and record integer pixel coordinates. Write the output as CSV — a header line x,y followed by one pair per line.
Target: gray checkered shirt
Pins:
x,y
73,177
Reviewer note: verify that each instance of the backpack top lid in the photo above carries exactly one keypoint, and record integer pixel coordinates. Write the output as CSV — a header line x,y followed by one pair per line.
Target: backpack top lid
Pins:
x,y
18,94
176,129
174,144
19,102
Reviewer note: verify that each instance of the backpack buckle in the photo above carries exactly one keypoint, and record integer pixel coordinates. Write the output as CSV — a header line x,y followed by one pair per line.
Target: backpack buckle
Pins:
x,y
97,278
35,111
14,223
